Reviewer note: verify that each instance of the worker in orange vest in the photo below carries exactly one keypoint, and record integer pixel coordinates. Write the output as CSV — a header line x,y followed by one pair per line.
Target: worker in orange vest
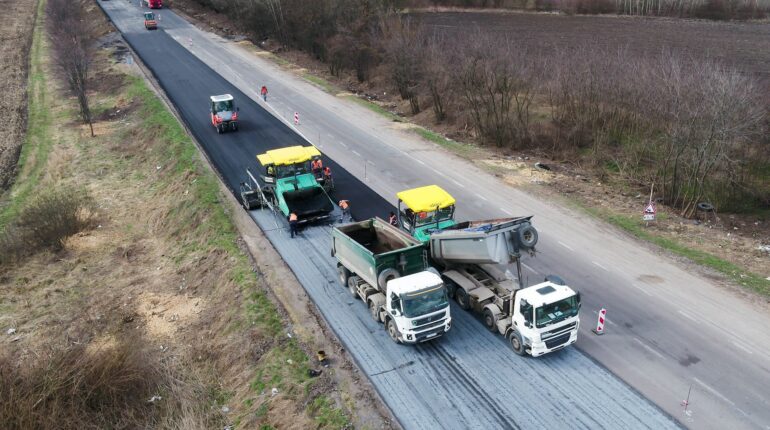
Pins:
x,y
327,173
293,224
345,206
317,167
263,91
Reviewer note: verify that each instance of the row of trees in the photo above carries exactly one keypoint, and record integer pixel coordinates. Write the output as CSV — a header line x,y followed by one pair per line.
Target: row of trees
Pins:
x,y
695,128
708,9
73,37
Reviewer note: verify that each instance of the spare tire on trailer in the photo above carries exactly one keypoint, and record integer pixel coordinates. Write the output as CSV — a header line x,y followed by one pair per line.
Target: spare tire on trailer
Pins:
x,y
385,276
527,236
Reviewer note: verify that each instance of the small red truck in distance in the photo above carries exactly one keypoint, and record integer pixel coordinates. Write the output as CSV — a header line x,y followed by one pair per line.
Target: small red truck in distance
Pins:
x,y
154,4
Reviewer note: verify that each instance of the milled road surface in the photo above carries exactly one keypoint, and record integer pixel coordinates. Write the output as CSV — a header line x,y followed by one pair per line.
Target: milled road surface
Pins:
x,y
667,329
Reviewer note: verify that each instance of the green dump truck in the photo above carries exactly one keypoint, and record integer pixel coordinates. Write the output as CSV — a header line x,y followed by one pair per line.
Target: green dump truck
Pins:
x,y
388,270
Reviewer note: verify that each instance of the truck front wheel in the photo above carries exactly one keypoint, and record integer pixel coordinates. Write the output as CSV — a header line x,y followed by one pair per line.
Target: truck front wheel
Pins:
x,y
392,330
515,339
462,298
353,286
343,274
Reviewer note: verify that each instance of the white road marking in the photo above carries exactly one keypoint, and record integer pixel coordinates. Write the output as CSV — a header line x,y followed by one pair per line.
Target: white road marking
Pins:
x,y
458,184
529,268
713,391
649,348
565,245
417,160
739,346
403,153
355,152
483,198
506,211
439,172
688,316
330,136
371,163
600,266
641,289
343,144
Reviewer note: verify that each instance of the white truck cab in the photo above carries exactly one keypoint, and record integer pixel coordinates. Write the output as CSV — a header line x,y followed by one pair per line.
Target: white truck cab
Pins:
x,y
545,318
417,308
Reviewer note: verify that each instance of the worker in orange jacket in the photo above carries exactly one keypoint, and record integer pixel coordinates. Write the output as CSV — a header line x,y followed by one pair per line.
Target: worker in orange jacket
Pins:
x,y
293,224
345,206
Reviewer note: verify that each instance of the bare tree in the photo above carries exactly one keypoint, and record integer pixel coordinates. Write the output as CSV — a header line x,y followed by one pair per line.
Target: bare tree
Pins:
x,y
73,38
403,50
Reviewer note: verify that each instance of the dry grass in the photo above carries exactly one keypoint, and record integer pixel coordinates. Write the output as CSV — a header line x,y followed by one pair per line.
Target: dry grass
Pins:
x,y
157,299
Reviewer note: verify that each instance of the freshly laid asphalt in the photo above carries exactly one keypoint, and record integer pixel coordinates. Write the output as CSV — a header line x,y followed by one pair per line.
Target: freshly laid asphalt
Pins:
x,y
469,378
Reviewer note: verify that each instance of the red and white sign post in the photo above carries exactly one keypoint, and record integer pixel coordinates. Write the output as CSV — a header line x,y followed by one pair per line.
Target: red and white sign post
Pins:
x,y
599,330
296,118
649,212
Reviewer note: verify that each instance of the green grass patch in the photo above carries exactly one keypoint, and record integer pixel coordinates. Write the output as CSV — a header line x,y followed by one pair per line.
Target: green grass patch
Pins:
x,y
635,226
321,82
458,148
327,415
374,107
284,368
38,141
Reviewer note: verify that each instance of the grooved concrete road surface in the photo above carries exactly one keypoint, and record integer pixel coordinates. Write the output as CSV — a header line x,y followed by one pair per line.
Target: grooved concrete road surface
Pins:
x,y
667,329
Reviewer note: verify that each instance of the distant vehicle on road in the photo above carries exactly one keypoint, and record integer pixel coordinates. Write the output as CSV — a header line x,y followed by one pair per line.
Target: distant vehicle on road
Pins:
x,y
149,21
287,185
153,4
388,270
224,116
472,257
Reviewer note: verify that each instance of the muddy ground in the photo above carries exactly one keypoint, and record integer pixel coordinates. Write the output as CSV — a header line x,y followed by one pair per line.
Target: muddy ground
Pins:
x,y
15,40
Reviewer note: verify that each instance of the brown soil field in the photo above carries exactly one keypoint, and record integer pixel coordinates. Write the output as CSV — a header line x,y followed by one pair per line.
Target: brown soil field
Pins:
x,y
15,40
743,45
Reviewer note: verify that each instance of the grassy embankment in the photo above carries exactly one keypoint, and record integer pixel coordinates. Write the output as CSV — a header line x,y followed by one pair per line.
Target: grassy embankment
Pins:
x,y
161,291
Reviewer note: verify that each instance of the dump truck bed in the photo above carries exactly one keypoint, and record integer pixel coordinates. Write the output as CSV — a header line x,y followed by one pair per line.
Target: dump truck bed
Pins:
x,y
366,248
478,242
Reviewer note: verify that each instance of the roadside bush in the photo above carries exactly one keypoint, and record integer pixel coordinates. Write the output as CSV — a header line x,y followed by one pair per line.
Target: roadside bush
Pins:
x,y
46,222
98,387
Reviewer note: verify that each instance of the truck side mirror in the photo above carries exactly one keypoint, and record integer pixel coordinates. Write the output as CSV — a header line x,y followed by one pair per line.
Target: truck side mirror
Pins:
x,y
579,303
527,324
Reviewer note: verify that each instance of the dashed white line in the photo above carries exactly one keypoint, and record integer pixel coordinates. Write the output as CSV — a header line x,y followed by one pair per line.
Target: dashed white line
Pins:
x,y
529,268
649,348
371,163
343,144
641,289
713,391
686,315
419,161
565,245
506,211
458,184
355,152
739,346
483,198
600,266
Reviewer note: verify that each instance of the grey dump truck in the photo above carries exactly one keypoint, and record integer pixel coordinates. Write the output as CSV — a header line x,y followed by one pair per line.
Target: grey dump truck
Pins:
x,y
389,271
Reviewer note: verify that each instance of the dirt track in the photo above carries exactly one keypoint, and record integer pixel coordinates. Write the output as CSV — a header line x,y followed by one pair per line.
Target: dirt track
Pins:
x,y
15,38
743,45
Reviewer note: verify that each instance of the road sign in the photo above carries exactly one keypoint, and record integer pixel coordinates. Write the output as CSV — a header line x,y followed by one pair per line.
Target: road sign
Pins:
x,y
649,212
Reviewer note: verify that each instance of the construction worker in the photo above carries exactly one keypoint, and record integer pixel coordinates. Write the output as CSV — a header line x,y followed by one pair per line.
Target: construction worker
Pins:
x,y
327,173
392,219
293,224
263,91
317,167
345,206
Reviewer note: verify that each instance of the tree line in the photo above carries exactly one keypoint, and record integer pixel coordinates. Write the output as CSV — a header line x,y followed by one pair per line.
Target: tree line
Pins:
x,y
696,128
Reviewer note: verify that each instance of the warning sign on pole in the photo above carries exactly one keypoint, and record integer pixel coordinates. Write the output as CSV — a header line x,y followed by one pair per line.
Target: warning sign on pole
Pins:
x,y
649,212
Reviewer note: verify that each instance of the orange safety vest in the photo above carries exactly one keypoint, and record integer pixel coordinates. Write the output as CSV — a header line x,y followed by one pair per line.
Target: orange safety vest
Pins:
x,y
344,204
292,217
316,165
327,172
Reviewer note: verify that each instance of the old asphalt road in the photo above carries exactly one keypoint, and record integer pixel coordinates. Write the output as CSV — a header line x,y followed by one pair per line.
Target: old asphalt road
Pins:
x,y
665,325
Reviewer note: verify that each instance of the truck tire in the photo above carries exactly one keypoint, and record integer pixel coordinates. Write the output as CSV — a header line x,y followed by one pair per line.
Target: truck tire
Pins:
x,y
374,310
353,286
462,299
392,330
489,320
385,276
343,273
527,236
516,344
